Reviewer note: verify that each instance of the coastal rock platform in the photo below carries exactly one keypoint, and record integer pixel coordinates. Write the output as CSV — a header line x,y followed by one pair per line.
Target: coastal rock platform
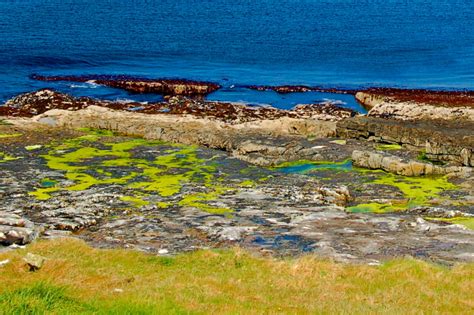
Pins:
x,y
208,174
159,197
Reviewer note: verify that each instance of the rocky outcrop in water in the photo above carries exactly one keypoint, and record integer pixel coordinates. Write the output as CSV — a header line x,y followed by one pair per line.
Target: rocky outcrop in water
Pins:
x,y
31,104
375,96
285,89
418,104
142,85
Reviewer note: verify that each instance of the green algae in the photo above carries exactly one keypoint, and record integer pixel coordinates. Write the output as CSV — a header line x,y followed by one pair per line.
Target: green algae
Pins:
x,y
33,147
388,147
422,157
135,201
12,135
5,157
4,122
339,141
417,191
467,222
48,186
99,159
248,183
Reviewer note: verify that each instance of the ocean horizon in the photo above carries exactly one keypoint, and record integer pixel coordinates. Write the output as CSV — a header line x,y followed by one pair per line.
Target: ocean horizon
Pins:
x,y
331,43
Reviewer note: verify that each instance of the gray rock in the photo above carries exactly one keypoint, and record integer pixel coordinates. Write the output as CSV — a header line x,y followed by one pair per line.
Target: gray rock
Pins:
x,y
34,262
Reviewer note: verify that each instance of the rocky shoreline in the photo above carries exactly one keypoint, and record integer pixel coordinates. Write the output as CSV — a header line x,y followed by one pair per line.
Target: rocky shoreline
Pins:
x,y
188,173
170,87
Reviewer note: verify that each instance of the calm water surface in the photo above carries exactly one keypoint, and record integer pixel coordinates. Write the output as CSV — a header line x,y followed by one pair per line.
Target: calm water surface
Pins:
x,y
344,43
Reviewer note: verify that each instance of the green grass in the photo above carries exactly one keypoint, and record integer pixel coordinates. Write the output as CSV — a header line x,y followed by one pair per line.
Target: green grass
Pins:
x,y
44,298
79,279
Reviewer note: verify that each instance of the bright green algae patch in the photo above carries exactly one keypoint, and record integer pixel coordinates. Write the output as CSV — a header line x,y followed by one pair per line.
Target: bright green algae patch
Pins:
x,y
388,147
4,157
418,191
13,135
98,159
468,222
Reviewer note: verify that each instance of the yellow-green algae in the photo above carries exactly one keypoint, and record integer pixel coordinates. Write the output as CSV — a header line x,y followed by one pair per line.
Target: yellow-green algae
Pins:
x,y
4,157
339,141
33,147
87,163
468,222
12,135
418,191
388,147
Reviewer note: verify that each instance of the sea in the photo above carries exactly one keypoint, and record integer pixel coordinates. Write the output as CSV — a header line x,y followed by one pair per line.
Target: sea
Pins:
x,y
347,44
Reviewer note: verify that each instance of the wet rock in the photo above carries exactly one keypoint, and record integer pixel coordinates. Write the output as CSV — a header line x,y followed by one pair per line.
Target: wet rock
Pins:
x,y
34,262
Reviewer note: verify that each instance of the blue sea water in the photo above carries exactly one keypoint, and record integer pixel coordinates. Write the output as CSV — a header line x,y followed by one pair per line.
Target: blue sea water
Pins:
x,y
333,43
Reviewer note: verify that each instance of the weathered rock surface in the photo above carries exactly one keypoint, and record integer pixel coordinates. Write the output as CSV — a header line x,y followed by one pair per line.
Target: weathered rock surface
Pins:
x,y
34,262
16,230
375,96
118,191
446,141
234,138
400,166
142,85
272,212
418,105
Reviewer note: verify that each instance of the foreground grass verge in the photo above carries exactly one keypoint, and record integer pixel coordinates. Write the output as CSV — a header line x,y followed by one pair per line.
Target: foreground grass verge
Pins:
x,y
79,279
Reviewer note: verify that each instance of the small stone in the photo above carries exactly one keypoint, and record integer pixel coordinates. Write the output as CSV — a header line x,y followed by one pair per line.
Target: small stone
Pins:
x,y
34,262
16,246
117,290
5,262
163,251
